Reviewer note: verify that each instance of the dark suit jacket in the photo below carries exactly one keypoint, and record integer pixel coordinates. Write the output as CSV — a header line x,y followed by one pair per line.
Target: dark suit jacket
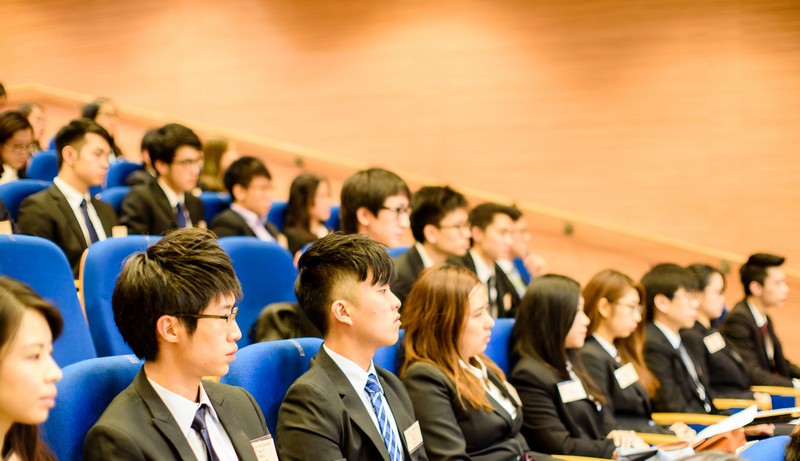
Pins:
x,y
628,408
409,265
230,223
725,369
47,214
452,431
677,392
6,216
146,210
322,417
507,296
137,425
139,177
741,332
552,426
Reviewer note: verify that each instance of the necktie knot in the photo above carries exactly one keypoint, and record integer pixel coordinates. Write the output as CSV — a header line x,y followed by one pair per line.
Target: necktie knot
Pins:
x,y
373,387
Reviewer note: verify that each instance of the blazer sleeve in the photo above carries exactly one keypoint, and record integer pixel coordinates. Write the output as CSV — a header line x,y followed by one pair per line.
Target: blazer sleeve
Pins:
x,y
432,397
740,335
135,214
105,442
542,422
307,427
35,219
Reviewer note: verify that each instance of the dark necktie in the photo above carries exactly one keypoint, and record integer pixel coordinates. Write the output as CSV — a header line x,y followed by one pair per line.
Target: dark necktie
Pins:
x,y
699,388
180,216
768,347
375,394
199,425
491,288
89,226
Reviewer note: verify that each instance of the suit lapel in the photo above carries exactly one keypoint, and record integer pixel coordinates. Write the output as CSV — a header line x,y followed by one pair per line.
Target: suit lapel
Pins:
x,y
496,405
162,418
241,223
69,215
162,205
401,418
762,350
227,416
105,219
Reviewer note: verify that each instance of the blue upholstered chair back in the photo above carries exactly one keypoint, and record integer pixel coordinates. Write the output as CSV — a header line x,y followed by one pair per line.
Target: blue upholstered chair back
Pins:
x,y
771,449
389,357
83,395
114,196
14,192
498,347
43,266
118,173
277,213
214,203
267,370
44,166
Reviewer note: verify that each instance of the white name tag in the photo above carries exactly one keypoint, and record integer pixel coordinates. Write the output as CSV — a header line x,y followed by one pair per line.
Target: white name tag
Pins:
x,y
714,342
265,448
571,391
626,375
413,437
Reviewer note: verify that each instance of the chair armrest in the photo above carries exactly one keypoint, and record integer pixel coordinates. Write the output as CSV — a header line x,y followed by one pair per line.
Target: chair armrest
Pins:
x,y
667,419
657,439
727,404
777,390
578,458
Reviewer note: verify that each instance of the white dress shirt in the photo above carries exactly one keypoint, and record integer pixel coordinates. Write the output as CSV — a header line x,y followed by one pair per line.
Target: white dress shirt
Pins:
x,y
74,199
174,199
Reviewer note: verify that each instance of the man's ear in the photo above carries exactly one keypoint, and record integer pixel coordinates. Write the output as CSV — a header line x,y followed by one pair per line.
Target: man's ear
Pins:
x,y
477,235
341,312
662,303
237,190
161,167
431,233
68,156
756,288
364,216
167,327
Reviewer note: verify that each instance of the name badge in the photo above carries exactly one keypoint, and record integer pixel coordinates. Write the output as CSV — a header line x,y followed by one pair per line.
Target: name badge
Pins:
x,y
265,448
119,231
5,227
626,375
571,391
413,437
714,342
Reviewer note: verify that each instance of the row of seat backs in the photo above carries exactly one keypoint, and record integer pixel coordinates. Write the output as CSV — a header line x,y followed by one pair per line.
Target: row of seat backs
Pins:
x,y
44,167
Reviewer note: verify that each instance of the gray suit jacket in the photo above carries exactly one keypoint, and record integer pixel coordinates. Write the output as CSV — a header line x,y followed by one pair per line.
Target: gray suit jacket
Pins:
x,y
137,425
323,418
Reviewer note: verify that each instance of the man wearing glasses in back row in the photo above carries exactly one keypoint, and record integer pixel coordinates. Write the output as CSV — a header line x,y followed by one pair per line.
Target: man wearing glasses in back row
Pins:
x,y
174,305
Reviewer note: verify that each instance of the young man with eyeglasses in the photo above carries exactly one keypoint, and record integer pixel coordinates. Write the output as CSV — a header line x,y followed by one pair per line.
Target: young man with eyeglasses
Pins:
x,y
65,213
374,202
174,305
440,225
167,203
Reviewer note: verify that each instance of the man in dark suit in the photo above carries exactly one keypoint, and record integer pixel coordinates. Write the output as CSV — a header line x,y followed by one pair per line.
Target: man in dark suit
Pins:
x,y
375,203
748,327
167,203
147,174
65,213
250,184
440,225
345,407
174,305
492,226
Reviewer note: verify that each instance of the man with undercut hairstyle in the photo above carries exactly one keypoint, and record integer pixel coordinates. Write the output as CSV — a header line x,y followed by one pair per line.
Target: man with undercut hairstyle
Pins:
x,y
374,202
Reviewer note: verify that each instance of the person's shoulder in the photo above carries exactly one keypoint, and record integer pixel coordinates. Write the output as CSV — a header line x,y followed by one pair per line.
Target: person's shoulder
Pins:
x,y
534,371
42,197
224,216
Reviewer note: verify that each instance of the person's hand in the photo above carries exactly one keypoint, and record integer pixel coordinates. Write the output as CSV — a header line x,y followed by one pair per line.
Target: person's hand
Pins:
x,y
761,430
683,431
762,399
624,439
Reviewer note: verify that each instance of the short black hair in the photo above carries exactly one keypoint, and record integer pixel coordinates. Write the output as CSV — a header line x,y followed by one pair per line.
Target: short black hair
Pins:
x,y
755,269
482,215
180,274
703,272
170,138
332,260
430,205
12,121
243,171
665,279
370,189
91,109
74,134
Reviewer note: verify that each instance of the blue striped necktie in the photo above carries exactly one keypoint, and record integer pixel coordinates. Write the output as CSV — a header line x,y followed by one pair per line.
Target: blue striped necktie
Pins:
x,y
376,397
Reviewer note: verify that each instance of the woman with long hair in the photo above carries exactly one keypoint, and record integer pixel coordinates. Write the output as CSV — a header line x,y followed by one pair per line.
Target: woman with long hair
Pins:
x,y
28,373
466,409
307,210
218,154
562,407
16,145
614,353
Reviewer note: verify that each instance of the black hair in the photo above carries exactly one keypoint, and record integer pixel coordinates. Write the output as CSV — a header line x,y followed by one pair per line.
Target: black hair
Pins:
x,y
243,171
755,269
332,260
483,215
703,272
91,109
74,134
27,107
369,189
12,121
665,279
168,139
180,274
301,199
430,204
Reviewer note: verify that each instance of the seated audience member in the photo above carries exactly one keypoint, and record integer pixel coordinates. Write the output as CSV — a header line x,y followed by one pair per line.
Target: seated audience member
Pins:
x,y
65,213
466,409
374,202
491,241
5,215
307,210
28,373
440,225
219,153
147,174
38,120
793,447
174,305
104,113
523,263
613,353
16,145
563,411
748,327
250,184
345,407
167,203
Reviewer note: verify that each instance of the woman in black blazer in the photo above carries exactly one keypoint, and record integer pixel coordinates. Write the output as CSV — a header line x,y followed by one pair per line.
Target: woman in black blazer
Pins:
x,y
563,411
466,409
613,354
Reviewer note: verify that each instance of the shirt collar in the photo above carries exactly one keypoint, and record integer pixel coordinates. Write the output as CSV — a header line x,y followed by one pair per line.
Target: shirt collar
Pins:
x,y
609,347
354,373
758,316
423,255
173,197
74,198
481,268
10,173
673,338
479,371
183,409
250,217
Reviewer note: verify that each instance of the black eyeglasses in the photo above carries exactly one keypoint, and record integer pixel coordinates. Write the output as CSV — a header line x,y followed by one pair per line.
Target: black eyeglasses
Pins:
x,y
398,211
229,318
